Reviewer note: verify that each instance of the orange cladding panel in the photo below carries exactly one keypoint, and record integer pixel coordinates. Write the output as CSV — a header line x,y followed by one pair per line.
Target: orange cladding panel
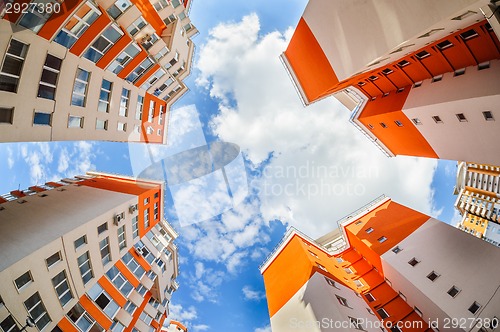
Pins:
x,y
56,21
118,185
146,75
114,51
95,312
126,272
132,64
150,15
65,325
283,279
309,63
112,291
385,118
390,220
88,36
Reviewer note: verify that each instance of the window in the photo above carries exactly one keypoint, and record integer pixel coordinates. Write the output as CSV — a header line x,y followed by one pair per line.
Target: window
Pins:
x,y
117,326
313,254
118,8
453,291
103,300
170,19
342,301
42,119
161,53
148,41
488,116
12,66
348,270
444,45
135,227
474,308
437,78
152,80
85,267
60,283
138,108
75,121
382,313
124,102
130,307
373,78
9,325
80,88
331,282
36,310
34,19
151,115
6,114
483,65
105,252
119,281
398,123
121,126
103,43
141,69
105,96
383,125
401,295
469,34
175,3
80,241
382,239
413,261
48,81
437,119
358,283
122,242
369,297
461,117
146,218
433,276
417,84
155,210
146,318
369,230
136,26
387,71
422,55
124,58
418,311
79,316
53,259
339,259
356,323
403,63
322,267
160,5
23,280
77,25
101,124
133,266
459,72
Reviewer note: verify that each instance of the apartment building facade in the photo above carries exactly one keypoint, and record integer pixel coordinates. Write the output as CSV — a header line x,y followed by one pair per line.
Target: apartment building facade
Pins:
x,y
478,200
175,326
91,253
387,268
92,69
419,78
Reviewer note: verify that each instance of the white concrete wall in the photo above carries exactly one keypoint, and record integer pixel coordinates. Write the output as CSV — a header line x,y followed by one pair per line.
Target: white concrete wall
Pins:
x,y
353,34
315,308
461,260
472,93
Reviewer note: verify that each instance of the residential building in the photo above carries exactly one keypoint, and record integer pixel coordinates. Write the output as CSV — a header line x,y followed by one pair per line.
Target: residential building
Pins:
x,y
92,69
386,267
91,253
478,200
175,326
419,77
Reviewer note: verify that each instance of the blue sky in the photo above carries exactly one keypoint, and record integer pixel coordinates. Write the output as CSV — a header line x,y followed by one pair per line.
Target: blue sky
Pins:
x,y
305,167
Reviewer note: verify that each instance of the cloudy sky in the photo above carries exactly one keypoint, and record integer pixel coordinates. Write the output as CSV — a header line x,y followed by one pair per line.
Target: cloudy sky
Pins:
x,y
306,167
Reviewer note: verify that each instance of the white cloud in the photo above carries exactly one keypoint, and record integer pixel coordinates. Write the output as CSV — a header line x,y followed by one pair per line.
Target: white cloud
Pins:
x,y
252,295
63,161
180,314
261,112
200,327
10,157
264,329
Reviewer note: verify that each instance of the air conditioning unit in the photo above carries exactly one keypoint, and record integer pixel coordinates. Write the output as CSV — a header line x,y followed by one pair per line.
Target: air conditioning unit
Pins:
x,y
132,208
117,219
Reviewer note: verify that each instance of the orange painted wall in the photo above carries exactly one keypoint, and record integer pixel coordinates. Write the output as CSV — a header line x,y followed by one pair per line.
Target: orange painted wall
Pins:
x,y
117,184
90,35
153,138
405,140
95,312
179,325
150,15
65,325
112,291
114,51
142,262
309,63
392,220
138,312
55,22
132,64
126,272
146,75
